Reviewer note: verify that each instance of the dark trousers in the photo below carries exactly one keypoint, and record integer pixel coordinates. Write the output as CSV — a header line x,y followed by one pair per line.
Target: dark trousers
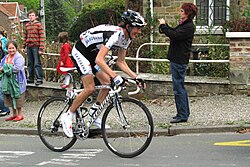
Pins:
x,y
180,93
34,64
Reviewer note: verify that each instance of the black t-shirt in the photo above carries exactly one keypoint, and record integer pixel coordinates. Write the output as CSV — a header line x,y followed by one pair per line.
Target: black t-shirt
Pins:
x,y
181,38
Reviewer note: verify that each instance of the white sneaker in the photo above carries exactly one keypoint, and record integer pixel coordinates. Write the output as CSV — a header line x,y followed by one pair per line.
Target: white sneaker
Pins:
x,y
98,124
66,120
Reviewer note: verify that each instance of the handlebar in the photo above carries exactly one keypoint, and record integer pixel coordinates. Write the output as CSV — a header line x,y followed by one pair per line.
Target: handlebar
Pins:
x,y
137,87
73,92
129,93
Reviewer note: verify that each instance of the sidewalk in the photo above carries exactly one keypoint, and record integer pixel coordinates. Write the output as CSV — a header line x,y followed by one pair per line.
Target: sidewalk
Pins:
x,y
218,113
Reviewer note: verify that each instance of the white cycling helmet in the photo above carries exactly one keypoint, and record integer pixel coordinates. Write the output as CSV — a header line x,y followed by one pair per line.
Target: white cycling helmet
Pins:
x,y
133,18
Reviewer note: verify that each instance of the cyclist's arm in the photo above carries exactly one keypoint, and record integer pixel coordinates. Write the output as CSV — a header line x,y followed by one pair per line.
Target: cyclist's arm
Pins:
x,y
100,61
121,63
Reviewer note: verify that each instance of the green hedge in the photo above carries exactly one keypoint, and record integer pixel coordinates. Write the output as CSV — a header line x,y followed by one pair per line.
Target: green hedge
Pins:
x,y
94,14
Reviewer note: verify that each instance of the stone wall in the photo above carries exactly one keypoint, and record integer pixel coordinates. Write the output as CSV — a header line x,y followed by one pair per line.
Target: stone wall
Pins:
x,y
169,10
158,86
161,86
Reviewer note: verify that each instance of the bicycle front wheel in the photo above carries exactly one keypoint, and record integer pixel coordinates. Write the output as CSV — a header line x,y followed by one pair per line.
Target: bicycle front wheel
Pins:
x,y
49,125
132,140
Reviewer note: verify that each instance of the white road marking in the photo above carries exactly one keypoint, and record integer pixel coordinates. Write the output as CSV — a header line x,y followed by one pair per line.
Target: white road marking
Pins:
x,y
72,159
6,156
66,162
18,153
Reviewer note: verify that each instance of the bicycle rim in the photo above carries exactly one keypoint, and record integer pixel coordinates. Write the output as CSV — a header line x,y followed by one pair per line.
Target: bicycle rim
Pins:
x,y
133,140
49,125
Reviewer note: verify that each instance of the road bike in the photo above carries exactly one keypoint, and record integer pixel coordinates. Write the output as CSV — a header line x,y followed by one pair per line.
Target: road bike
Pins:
x,y
130,123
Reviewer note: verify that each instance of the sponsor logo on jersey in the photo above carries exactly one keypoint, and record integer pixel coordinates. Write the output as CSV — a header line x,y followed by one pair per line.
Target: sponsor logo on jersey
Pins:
x,y
94,38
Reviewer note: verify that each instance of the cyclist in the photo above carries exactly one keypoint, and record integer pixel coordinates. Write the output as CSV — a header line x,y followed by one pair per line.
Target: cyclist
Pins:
x,y
89,56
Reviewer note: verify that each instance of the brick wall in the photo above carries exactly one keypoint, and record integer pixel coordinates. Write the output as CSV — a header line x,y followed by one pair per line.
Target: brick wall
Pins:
x,y
240,47
240,60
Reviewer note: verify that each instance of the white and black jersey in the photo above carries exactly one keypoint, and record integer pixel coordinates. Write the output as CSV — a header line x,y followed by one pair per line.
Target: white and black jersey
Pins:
x,y
111,36
91,40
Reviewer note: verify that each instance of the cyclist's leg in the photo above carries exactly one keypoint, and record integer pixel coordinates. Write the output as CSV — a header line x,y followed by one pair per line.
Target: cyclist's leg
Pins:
x,y
89,88
105,80
85,71
87,78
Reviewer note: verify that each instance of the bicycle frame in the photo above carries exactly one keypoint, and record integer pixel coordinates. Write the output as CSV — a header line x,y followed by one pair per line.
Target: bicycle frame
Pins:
x,y
112,97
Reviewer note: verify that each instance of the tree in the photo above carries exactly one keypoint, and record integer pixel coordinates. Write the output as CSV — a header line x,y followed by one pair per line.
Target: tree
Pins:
x,y
30,4
70,11
95,13
56,19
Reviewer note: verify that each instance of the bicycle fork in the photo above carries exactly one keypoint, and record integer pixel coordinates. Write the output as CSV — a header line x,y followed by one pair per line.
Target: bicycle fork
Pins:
x,y
122,117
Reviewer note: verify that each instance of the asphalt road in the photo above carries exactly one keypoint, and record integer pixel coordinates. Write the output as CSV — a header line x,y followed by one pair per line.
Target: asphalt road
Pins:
x,y
190,150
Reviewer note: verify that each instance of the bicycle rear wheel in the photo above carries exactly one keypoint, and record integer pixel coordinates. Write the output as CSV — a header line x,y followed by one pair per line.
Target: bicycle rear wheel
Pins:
x,y
49,125
133,140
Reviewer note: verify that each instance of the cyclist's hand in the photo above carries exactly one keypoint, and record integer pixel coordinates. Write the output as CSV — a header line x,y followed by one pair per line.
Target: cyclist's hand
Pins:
x,y
141,83
118,80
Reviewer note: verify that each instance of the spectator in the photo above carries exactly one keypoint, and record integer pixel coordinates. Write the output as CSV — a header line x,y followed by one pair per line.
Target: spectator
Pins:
x,y
181,38
34,41
65,60
3,40
13,81
3,110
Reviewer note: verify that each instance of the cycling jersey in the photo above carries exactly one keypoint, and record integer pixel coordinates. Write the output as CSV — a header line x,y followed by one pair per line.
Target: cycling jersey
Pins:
x,y
87,48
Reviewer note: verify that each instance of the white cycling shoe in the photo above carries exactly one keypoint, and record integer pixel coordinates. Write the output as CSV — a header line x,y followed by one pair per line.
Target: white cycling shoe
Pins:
x,y
98,124
66,120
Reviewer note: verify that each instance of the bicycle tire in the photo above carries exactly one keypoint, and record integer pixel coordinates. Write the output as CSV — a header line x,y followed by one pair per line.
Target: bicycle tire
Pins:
x,y
49,125
130,142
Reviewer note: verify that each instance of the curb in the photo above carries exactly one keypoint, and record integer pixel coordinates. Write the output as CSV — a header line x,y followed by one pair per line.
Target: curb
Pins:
x,y
157,132
200,129
19,131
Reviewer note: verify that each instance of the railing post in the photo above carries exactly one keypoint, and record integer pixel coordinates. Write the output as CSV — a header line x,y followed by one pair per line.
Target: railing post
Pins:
x,y
138,50
239,57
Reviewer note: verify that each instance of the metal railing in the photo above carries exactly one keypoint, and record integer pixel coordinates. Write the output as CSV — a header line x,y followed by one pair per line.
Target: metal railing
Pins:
x,y
138,59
